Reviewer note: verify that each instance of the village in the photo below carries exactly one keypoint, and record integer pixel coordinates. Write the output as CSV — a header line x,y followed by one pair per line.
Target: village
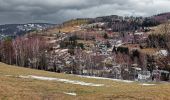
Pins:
x,y
96,50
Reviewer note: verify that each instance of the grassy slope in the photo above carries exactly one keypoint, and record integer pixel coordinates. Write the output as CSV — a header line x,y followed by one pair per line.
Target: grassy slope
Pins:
x,y
69,26
15,88
160,29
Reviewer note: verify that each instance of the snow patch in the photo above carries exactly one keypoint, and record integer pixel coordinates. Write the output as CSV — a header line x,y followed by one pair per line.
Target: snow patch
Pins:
x,y
62,80
125,81
8,75
72,94
162,52
139,33
101,78
145,84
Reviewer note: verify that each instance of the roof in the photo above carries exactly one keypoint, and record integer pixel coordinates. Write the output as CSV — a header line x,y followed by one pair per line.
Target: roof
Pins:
x,y
162,52
137,68
139,33
161,71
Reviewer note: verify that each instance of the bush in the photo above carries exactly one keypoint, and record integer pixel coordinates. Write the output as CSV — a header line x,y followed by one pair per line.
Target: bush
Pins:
x,y
124,50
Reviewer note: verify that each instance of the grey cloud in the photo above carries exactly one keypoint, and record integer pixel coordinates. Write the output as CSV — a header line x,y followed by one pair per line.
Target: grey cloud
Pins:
x,y
57,11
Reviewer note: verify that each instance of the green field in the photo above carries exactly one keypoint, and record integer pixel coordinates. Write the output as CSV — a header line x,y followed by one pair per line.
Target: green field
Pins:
x,y
14,87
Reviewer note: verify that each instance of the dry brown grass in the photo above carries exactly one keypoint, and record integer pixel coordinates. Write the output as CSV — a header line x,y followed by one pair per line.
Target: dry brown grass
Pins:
x,y
15,88
64,29
149,51
160,29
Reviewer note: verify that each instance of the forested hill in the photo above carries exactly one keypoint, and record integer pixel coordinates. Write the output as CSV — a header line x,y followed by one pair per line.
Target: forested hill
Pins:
x,y
14,30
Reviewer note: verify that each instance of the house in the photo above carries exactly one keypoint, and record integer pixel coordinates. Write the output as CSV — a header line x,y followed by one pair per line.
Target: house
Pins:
x,y
134,71
140,37
162,53
128,38
116,72
137,37
160,75
144,76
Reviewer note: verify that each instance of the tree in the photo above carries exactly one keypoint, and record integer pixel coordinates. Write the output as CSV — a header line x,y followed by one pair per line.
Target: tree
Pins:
x,y
28,51
105,36
81,45
7,51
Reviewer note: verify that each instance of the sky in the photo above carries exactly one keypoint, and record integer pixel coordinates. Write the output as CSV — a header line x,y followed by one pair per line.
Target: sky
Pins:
x,y
57,11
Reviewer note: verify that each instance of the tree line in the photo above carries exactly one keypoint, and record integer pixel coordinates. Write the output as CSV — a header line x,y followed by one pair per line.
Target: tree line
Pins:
x,y
24,51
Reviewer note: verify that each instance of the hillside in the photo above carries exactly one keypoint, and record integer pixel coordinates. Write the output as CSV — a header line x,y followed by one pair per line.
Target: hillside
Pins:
x,y
112,21
163,17
161,29
76,22
24,84
69,26
14,30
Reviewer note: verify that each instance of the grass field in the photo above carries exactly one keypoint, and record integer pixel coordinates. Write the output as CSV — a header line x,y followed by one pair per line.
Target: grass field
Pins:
x,y
13,87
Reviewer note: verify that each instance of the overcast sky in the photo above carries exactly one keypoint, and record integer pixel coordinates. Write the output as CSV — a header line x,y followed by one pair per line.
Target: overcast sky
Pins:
x,y
57,11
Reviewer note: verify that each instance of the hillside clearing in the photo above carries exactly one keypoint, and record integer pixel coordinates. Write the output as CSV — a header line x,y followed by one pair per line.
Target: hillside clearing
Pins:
x,y
12,87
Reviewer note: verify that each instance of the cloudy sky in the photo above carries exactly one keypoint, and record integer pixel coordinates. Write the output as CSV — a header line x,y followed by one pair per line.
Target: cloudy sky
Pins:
x,y
57,11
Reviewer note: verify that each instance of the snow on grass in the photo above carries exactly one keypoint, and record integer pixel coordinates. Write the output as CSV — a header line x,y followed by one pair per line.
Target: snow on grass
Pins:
x,y
8,75
61,80
72,94
125,81
145,84
102,78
